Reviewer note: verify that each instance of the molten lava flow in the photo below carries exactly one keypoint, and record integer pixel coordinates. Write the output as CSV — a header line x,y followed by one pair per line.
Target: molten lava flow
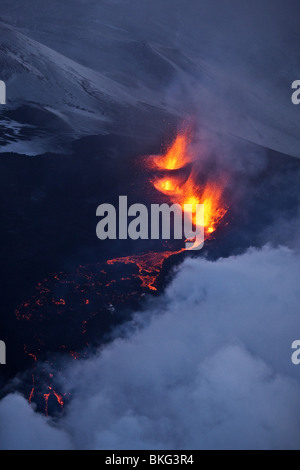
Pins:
x,y
56,395
149,266
32,390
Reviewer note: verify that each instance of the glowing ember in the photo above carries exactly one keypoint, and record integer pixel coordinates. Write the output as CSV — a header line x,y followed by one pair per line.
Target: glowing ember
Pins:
x,y
30,354
59,302
75,355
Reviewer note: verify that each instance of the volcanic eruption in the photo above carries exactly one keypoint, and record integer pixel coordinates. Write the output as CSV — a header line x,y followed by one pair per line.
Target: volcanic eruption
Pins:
x,y
180,190
92,297
178,157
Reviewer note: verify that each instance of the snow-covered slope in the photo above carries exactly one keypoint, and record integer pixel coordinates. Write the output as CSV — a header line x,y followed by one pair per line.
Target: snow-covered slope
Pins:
x,y
36,74
122,65
80,101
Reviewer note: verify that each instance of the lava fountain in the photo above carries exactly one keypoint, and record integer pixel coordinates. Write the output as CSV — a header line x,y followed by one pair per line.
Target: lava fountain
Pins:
x,y
211,194
183,191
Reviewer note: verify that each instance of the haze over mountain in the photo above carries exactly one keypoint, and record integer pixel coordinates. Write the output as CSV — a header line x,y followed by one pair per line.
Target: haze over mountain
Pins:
x,y
127,66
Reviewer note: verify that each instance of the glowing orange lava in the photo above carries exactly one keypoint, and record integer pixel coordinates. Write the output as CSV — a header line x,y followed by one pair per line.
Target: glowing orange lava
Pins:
x,y
58,397
177,155
32,390
149,266
189,192
182,191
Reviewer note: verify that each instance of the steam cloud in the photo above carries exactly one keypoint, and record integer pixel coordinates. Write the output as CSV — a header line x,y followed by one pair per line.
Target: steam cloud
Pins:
x,y
208,365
